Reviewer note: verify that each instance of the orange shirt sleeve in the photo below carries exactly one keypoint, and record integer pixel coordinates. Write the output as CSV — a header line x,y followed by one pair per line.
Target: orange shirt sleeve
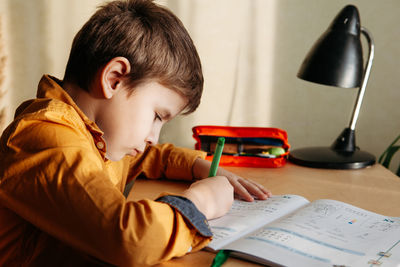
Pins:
x,y
165,160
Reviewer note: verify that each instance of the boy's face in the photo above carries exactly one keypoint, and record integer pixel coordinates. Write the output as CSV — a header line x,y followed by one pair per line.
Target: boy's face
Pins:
x,y
131,121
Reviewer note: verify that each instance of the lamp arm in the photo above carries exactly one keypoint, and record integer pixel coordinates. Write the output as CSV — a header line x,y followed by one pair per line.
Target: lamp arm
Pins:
x,y
346,141
364,82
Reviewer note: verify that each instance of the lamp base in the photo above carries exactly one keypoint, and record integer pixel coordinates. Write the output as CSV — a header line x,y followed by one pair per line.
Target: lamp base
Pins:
x,y
327,158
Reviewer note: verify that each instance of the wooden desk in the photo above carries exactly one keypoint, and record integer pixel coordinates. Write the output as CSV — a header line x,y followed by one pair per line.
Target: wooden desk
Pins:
x,y
374,188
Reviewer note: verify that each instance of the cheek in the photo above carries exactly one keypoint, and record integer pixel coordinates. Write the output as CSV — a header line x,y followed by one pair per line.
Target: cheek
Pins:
x,y
113,124
140,129
138,126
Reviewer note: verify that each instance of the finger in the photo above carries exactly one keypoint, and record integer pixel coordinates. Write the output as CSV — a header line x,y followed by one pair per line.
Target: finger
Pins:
x,y
255,189
242,192
261,188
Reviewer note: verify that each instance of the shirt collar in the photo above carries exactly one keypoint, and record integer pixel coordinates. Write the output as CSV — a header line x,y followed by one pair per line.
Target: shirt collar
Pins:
x,y
51,87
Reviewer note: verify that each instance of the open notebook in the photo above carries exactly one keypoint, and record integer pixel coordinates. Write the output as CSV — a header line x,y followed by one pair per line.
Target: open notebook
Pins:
x,y
289,230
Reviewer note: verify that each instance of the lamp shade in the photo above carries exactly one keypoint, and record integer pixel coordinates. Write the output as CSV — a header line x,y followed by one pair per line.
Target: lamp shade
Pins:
x,y
336,57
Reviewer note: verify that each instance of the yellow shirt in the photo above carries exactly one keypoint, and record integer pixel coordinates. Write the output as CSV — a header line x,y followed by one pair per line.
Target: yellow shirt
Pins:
x,y
61,201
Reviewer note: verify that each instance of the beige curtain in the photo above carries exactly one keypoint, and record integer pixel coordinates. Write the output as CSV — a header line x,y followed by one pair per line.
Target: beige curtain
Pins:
x,y
39,35
233,39
250,51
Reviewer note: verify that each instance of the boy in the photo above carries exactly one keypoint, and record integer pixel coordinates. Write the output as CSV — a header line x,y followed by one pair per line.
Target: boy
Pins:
x,y
66,157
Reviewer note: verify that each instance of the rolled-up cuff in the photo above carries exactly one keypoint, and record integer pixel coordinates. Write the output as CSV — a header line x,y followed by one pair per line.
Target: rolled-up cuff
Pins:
x,y
189,211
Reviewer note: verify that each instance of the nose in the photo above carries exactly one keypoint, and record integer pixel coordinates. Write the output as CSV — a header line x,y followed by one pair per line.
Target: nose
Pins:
x,y
153,136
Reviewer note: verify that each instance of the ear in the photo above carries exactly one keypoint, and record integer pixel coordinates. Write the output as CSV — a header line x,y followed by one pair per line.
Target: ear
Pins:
x,y
113,74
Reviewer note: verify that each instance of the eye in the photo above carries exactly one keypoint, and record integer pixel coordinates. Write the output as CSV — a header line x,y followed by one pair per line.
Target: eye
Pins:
x,y
157,117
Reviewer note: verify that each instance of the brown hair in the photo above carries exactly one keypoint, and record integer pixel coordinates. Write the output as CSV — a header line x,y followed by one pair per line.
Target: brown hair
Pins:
x,y
150,36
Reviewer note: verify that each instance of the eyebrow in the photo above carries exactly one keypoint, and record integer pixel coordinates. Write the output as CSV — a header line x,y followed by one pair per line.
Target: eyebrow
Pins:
x,y
166,115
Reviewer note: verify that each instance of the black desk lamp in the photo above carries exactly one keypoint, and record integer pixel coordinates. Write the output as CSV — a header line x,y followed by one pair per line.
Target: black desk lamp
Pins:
x,y
336,59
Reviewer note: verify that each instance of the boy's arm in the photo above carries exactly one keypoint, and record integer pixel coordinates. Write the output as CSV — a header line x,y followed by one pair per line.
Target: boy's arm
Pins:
x,y
187,164
165,160
177,163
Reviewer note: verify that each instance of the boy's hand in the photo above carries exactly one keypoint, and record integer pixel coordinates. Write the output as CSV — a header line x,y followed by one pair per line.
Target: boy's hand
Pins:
x,y
243,188
213,197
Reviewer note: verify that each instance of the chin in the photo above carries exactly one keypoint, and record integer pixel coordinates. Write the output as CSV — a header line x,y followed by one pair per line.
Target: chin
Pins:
x,y
114,157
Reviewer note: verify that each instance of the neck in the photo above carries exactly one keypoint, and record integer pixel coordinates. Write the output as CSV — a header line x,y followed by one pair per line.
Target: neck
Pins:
x,y
83,99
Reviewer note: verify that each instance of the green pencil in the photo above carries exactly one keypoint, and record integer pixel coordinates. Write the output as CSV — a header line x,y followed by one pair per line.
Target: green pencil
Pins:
x,y
222,255
220,258
217,157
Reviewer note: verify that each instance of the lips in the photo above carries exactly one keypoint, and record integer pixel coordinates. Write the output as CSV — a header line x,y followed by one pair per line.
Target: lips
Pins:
x,y
135,152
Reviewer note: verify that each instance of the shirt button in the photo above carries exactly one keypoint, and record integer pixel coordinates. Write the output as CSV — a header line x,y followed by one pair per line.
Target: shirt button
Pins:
x,y
100,145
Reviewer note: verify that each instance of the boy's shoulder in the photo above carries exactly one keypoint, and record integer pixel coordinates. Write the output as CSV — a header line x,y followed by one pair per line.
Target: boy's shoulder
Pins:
x,y
48,110
45,122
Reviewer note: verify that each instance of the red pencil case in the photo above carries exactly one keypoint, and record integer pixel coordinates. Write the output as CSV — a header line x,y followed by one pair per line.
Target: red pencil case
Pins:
x,y
244,146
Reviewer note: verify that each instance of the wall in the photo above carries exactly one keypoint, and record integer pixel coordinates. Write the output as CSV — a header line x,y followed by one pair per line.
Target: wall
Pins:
x,y
312,114
251,52
319,113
